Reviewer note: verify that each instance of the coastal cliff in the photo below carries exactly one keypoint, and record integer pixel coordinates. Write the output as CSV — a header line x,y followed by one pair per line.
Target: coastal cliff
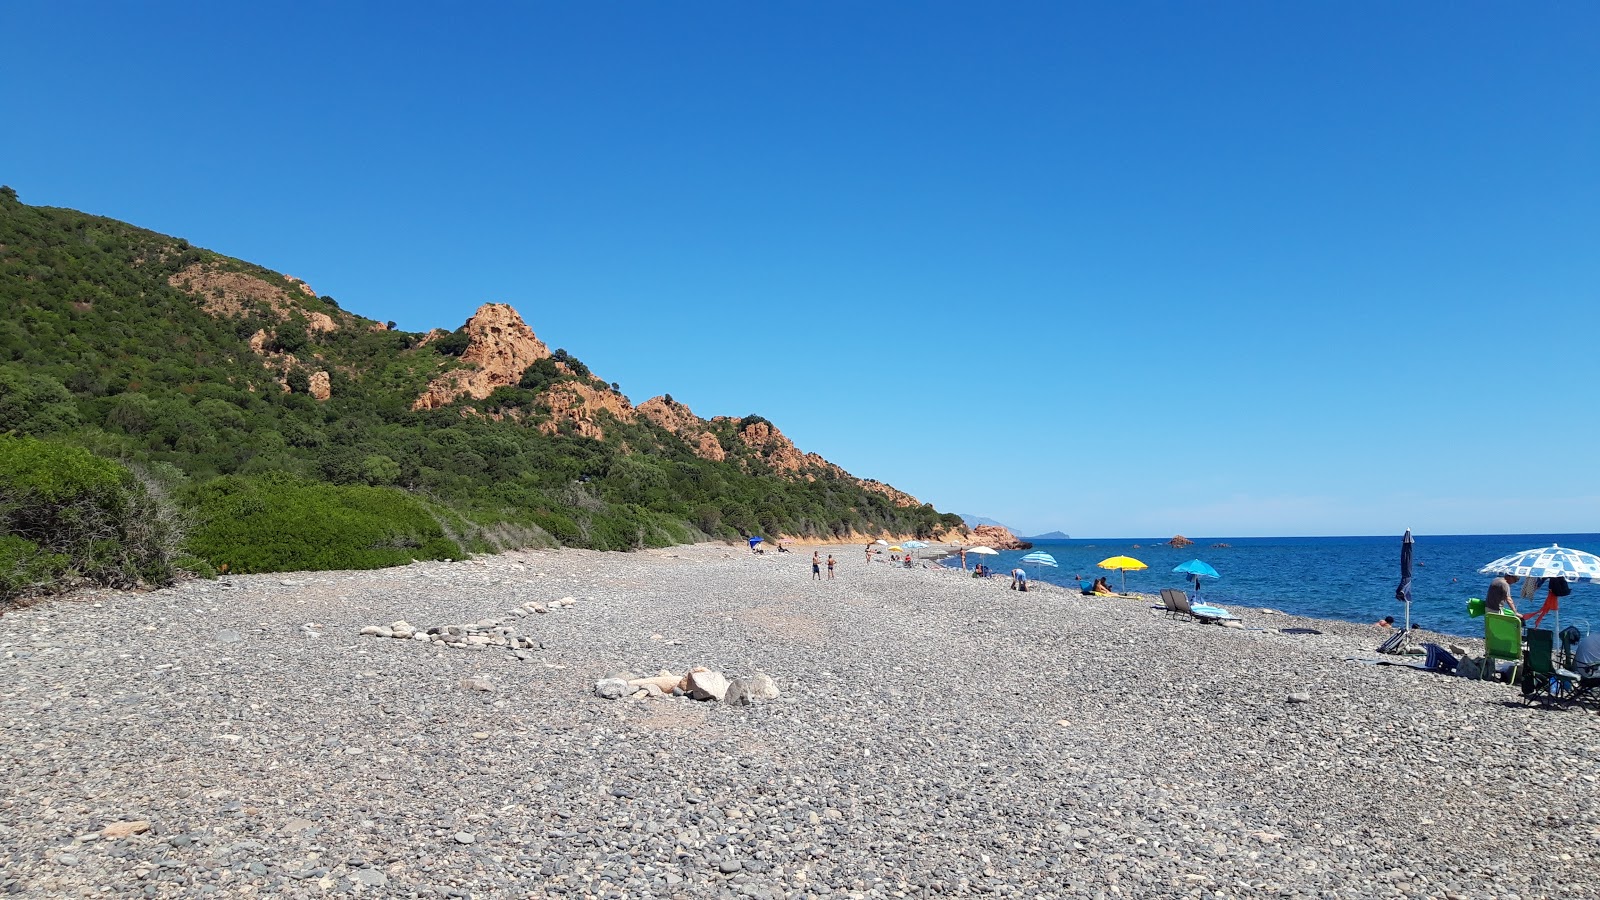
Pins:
x,y
277,414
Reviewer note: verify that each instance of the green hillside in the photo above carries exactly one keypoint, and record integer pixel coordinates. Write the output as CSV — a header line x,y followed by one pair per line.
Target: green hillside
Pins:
x,y
136,346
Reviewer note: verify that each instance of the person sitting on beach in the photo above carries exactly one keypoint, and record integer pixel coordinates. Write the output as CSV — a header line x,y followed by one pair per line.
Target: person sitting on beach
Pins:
x,y
1102,588
1385,622
1086,588
1019,580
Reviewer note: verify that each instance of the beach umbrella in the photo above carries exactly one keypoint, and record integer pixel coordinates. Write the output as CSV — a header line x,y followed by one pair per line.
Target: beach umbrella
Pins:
x,y
754,541
916,545
1403,591
981,550
1039,558
896,548
881,541
1553,561
1123,564
1196,570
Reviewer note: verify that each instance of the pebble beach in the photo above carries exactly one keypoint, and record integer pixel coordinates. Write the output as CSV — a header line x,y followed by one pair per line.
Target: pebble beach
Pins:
x,y
935,735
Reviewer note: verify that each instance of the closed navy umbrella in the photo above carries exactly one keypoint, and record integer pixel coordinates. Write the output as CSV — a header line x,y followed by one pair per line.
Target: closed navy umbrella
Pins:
x,y
1403,592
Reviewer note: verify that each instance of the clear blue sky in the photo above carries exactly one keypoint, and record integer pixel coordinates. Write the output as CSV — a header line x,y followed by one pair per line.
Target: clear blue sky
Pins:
x,y
1116,269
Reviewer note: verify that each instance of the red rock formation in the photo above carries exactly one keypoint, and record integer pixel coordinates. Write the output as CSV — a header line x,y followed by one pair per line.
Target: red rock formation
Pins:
x,y
500,347
320,386
895,495
678,419
235,294
580,402
304,288
997,536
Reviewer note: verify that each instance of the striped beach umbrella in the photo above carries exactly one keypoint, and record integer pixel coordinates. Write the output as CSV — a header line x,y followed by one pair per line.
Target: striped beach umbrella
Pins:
x,y
1553,561
1040,558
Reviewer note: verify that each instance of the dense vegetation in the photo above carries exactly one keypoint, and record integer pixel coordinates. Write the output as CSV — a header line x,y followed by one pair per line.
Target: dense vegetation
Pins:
x,y
103,348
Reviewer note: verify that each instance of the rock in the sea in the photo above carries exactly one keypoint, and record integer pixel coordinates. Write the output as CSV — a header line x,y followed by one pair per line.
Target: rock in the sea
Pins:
x,y
707,685
610,688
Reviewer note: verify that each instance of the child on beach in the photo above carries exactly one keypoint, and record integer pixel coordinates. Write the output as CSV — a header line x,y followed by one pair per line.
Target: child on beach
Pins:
x,y
830,566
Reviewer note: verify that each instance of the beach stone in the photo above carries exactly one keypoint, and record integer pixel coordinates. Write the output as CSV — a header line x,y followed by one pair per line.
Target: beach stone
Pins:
x,y
749,688
228,636
1300,698
477,683
125,829
465,837
610,688
372,878
707,685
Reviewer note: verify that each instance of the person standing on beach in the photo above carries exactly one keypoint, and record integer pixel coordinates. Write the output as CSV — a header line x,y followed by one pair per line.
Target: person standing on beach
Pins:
x,y
963,553
869,554
830,566
816,565
1500,595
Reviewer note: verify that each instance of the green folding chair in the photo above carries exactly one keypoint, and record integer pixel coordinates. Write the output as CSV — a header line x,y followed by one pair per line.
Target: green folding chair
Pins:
x,y
1502,640
1544,682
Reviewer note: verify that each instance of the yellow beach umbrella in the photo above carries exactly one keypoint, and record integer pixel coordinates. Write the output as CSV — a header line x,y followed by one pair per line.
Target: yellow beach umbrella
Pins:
x,y
896,549
1122,564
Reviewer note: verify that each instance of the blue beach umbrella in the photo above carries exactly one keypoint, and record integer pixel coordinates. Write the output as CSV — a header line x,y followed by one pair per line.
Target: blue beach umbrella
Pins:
x,y
1196,570
754,541
1040,558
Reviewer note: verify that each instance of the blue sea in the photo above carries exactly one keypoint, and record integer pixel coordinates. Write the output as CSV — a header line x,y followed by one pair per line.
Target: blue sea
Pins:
x,y
1350,578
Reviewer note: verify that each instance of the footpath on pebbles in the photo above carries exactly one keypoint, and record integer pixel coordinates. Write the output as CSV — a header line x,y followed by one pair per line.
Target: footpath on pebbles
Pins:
x,y
935,735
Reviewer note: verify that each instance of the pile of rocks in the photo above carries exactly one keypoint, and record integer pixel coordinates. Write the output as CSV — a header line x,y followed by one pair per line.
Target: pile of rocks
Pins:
x,y
480,635
700,683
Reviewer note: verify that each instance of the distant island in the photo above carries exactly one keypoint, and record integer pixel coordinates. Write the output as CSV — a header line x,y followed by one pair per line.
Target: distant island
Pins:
x,y
1049,536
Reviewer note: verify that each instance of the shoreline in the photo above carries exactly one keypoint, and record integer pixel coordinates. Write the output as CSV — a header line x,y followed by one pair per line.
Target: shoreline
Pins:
x,y
935,735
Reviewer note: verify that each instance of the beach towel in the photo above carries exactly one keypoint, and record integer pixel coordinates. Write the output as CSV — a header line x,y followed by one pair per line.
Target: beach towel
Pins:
x,y
1440,659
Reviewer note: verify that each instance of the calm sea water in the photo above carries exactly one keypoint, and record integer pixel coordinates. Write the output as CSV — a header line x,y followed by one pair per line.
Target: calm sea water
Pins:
x,y
1350,578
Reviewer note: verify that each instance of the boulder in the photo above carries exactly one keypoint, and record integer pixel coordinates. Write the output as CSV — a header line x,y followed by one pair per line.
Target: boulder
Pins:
x,y
707,685
750,688
610,688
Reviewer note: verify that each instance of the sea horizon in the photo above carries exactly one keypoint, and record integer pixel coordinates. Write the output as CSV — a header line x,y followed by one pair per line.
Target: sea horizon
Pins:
x,y
1344,577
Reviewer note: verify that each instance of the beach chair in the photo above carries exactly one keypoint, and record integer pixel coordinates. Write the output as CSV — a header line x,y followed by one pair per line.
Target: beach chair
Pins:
x,y
1168,602
1544,682
1502,640
1207,614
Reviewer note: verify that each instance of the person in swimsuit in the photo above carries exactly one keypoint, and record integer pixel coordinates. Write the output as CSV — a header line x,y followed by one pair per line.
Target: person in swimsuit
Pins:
x,y
830,566
816,566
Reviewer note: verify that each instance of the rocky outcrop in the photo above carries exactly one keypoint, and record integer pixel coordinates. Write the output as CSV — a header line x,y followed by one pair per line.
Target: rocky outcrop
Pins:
x,y
769,444
690,428
500,347
1179,540
997,536
580,403
896,496
234,295
304,288
320,386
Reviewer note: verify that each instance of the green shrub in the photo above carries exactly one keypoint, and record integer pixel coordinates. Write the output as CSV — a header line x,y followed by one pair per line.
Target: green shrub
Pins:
x,y
66,514
280,523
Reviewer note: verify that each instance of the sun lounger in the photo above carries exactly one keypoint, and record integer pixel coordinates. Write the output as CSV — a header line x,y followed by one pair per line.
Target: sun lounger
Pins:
x,y
1178,602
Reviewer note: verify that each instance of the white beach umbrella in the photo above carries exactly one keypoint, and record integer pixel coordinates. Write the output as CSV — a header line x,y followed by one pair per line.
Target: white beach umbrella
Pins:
x,y
983,551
